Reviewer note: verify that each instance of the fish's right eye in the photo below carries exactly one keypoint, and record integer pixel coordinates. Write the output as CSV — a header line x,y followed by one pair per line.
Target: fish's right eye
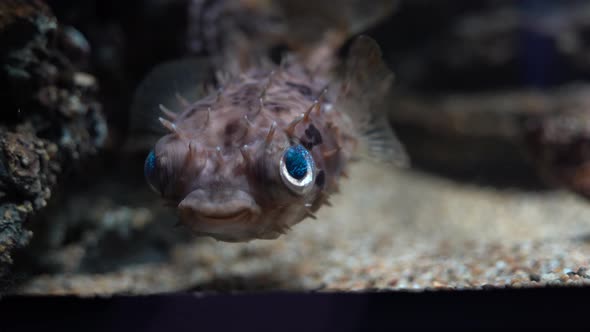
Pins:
x,y
150,171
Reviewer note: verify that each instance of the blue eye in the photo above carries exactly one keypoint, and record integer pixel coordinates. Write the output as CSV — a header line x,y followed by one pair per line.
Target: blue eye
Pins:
x,y
149,170
296,161
297,169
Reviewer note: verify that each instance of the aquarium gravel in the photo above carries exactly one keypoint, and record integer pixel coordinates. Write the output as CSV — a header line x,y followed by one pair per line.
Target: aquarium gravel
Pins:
x,y
387,230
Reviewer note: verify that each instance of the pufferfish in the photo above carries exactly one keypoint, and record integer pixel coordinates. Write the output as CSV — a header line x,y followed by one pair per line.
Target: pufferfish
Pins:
x,y
267,146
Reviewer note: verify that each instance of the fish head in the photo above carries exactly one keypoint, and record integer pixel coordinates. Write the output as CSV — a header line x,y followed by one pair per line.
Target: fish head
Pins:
x,y
236,194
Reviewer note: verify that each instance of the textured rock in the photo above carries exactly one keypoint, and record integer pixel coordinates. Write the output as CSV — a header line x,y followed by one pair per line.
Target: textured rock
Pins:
x,y
50,117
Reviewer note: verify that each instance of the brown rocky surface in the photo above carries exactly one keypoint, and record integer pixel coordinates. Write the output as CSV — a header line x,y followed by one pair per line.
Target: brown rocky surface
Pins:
x,y
50,118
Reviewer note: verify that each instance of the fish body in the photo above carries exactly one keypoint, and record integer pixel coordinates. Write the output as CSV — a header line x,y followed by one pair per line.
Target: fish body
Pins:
x,y
267,146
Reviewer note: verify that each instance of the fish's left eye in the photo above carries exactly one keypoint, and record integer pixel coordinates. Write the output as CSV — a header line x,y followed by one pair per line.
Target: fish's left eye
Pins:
x,y
297,169
150,171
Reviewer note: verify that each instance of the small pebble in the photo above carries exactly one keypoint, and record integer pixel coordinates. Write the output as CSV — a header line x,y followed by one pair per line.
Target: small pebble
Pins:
x,y
550,276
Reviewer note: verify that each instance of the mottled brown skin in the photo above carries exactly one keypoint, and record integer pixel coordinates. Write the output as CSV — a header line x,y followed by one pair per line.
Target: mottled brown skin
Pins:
x,y
220,163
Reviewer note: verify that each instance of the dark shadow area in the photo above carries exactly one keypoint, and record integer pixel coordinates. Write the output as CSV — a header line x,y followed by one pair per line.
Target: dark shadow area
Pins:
x,y
488,161
239,284
522,308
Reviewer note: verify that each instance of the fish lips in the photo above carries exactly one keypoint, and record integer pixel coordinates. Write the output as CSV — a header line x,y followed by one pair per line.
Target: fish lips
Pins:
x,y
226,213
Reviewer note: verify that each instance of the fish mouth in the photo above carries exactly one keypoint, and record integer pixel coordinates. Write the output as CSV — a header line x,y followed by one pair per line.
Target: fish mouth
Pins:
x,y
242,214
206,209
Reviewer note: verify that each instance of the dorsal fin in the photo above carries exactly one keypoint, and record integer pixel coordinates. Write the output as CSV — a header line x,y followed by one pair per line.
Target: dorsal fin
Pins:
x,y
163,86
307,22
365,84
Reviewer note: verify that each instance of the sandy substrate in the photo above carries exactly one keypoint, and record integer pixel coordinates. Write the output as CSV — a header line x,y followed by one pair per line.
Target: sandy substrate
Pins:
x,y
387,231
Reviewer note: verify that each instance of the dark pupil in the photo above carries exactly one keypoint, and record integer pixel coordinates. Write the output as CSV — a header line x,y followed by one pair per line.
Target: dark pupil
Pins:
x,y
296,162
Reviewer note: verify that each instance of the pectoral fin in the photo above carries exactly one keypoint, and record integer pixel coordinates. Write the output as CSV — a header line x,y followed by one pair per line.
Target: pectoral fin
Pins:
x,y
363,94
